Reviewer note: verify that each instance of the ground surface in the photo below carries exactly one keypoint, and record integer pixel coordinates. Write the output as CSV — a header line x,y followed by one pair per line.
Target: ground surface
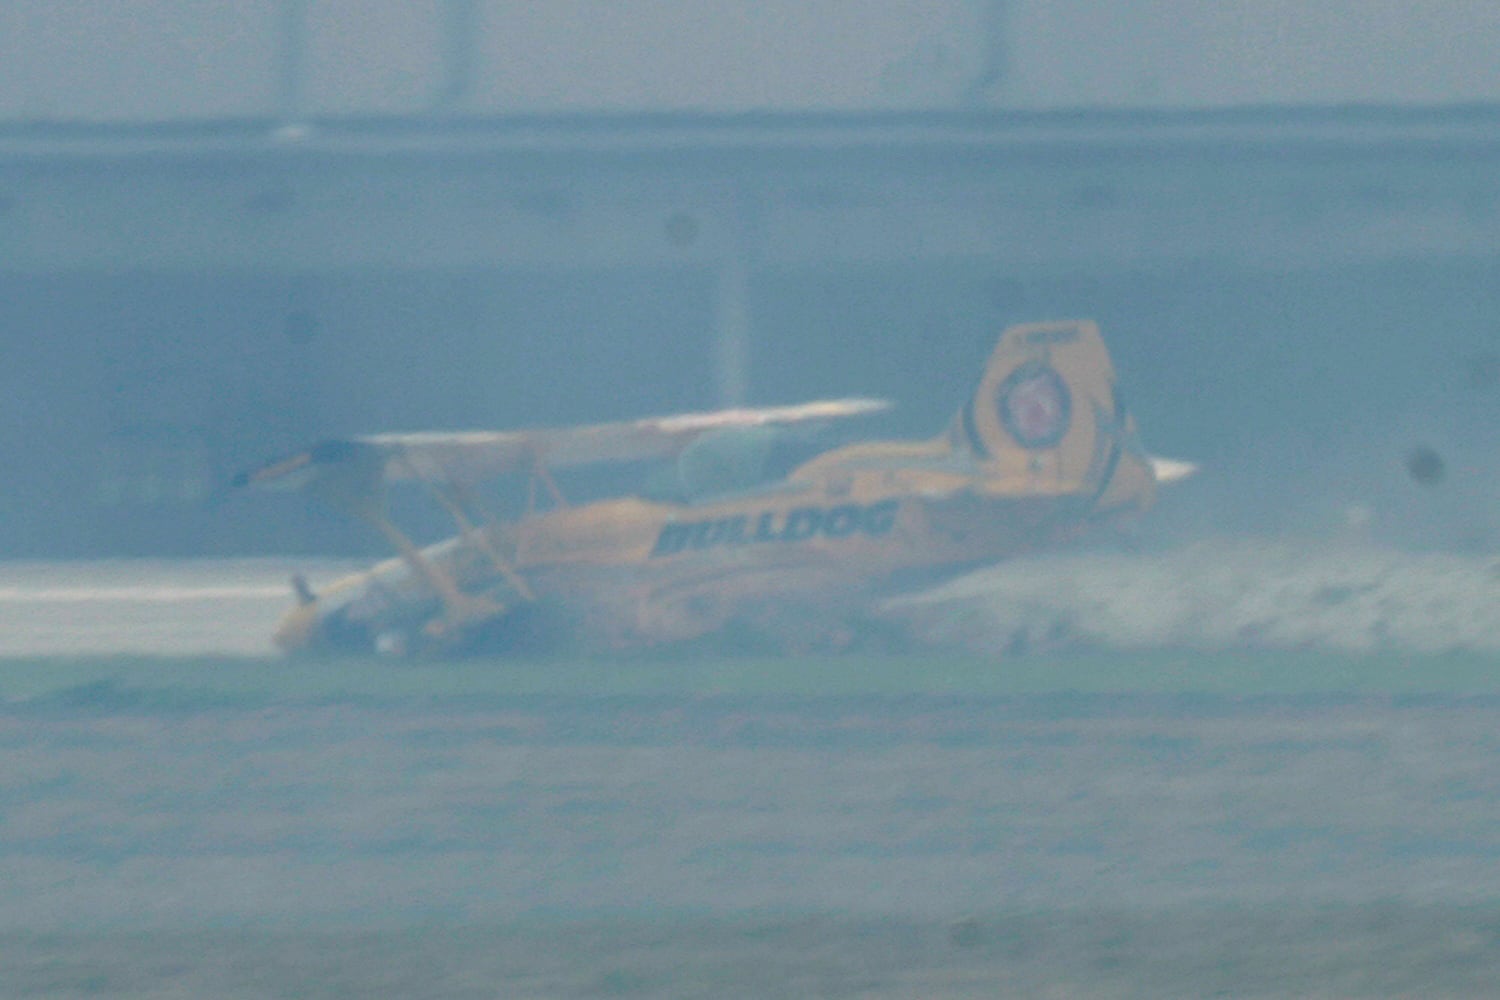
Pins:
x,y
1216,595
1212,595
1069,823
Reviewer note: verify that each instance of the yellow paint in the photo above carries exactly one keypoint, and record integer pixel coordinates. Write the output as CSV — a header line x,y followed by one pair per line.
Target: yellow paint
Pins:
x,y
1040,452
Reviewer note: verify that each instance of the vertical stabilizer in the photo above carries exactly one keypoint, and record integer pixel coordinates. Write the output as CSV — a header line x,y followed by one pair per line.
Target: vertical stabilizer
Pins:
x,y
1046,411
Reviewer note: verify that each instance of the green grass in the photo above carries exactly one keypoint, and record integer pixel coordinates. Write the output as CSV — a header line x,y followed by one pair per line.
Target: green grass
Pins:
x,y
1160,672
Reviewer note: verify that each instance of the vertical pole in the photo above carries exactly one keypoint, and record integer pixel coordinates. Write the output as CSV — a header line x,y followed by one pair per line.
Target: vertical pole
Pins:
x,y
293,62
732,329
992,18
733,324
460,26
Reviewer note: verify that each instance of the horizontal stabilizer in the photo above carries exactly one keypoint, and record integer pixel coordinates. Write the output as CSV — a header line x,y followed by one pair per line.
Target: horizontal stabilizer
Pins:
x,y
1171,470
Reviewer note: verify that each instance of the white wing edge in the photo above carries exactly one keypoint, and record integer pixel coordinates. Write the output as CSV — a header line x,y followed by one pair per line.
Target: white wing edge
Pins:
x,y
429,453
1171,470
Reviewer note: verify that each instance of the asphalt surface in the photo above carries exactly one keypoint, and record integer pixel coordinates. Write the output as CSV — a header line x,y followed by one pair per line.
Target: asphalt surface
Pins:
x,y
957,819
187,840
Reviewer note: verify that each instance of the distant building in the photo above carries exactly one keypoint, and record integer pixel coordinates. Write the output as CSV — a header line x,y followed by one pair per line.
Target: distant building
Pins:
x,y
228,227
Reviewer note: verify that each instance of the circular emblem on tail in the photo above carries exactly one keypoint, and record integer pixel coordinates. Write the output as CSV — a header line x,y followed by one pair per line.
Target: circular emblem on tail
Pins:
x,y
1035,406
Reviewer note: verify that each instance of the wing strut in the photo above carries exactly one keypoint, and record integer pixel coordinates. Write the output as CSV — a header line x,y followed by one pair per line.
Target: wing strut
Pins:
x,y
540,474
351,481
459,609
448,496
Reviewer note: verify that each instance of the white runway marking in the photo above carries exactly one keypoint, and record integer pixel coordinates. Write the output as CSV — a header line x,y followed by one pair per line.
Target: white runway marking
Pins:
x,y
150,595
148,606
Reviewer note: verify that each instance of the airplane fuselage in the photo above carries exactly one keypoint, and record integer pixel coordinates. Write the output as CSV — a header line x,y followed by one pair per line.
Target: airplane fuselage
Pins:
x,y
1041,451
844,529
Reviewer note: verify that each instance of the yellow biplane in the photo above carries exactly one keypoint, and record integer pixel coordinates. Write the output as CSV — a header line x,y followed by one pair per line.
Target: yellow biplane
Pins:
x,y
746,526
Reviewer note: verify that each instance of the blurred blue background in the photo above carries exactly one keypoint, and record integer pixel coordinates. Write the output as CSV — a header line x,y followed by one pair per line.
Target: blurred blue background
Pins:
x,y
230,228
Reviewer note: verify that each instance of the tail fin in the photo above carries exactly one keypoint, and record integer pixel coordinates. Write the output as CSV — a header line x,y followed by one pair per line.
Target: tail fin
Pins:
x,y
1046,411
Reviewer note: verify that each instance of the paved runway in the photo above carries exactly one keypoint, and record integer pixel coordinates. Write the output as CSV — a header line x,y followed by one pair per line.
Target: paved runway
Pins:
x,y
1366,824
120,811
147,606
168,837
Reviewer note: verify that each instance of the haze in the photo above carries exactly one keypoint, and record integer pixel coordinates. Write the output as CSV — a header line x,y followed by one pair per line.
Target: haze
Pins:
x,y
232,228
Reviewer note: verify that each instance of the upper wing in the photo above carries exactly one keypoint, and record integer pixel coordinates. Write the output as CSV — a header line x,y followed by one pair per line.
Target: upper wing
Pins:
x,y
475,455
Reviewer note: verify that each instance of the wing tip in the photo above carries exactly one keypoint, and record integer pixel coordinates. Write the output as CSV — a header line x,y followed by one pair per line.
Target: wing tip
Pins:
x,y
291,471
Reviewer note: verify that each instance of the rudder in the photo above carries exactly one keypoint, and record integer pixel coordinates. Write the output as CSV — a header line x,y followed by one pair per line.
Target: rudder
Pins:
x,y
1046,408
